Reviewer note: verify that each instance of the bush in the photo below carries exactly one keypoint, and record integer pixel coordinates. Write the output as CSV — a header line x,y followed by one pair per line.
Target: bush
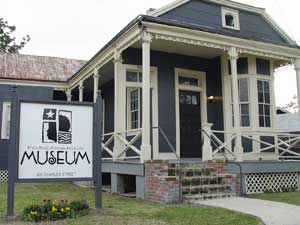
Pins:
x,y
54,210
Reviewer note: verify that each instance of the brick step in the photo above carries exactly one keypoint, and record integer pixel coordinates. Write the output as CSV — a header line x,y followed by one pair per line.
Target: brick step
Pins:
x,y
193,198
190,172
205,189
202,180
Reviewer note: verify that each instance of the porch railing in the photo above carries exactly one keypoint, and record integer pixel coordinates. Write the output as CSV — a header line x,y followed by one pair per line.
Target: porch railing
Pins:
x,y
221,143
286,145
126,141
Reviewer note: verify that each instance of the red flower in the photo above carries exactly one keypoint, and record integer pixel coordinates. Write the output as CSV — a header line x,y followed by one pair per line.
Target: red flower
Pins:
x,y
62,201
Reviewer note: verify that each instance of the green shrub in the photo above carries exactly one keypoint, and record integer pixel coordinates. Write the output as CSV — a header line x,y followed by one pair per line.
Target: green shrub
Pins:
x,y
54,210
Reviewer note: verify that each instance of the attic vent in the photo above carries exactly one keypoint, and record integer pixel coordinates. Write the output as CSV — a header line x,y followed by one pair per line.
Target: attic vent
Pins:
x,y
230,19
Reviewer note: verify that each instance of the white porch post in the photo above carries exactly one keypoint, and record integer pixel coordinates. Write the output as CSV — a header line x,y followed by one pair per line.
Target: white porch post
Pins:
x,y
81,87
233,56
119,104
146,126
96,83
297,68
69,95
207,153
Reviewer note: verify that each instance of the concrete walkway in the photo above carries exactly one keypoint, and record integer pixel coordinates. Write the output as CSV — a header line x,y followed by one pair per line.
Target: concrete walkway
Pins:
x,y
271,213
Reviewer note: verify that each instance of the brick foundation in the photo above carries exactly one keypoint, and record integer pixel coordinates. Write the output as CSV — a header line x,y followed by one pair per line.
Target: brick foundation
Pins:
x,y
159,187
162,188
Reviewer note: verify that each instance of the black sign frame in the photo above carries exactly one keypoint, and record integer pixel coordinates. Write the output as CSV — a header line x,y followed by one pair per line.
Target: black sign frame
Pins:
x,y
13,155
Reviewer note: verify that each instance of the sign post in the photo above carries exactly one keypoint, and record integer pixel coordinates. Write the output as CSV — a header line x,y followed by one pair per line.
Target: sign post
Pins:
x,y
11,156
54,141
98,154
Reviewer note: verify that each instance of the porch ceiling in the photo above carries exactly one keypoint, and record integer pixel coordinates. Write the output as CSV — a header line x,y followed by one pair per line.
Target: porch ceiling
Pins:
x,y
183,49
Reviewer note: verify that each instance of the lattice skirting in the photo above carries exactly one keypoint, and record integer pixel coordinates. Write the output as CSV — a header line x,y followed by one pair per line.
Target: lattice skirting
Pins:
x,y
3,176
271,182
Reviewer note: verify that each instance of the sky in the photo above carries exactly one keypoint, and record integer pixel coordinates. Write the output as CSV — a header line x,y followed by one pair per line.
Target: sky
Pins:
x,y
79,28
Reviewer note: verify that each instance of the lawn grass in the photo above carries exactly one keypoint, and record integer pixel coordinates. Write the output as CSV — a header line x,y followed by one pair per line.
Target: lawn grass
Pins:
x,y
120,210
286,197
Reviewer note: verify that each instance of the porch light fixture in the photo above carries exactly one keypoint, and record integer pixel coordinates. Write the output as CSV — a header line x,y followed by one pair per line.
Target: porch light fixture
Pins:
x,y
211,98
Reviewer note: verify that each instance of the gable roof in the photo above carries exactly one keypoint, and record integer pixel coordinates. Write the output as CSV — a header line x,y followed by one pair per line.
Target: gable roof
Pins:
x,y
37,68
232,4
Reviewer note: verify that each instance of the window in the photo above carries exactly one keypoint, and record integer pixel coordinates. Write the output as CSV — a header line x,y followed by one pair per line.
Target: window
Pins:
x,y
5,129
244,102
263,67
264,103
188,81
242,66
187,99
230,19
133,106
134,76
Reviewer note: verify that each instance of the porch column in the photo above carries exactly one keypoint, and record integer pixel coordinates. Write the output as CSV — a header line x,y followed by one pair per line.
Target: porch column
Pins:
x,y
297,68
69,95
81,87
119,105
146,126
96,83
233,57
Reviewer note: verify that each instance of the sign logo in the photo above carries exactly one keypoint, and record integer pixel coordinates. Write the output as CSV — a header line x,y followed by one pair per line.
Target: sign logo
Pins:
x,y
57,127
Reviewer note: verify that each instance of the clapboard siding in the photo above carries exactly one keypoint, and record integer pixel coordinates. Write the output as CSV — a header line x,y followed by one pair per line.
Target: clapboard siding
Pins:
x,y
24,92
166,64
202,13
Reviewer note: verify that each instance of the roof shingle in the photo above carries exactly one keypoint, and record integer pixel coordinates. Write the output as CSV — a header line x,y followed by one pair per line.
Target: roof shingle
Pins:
x,y
38,68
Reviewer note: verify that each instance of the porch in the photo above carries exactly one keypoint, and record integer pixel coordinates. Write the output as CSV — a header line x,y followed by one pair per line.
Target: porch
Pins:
x,y
187,94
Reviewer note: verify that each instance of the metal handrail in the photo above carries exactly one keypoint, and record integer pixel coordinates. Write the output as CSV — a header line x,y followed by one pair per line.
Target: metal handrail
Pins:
x,y
227,161
177,156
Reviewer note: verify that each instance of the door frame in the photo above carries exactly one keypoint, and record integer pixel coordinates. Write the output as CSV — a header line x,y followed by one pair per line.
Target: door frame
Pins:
x,y
201,88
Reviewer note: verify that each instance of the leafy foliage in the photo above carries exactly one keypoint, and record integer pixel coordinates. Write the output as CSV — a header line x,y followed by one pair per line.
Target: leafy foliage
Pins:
x,y
8,41
293,105
54,211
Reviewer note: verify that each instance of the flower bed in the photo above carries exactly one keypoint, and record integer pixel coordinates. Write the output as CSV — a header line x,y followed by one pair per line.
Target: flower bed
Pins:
x,y
54,210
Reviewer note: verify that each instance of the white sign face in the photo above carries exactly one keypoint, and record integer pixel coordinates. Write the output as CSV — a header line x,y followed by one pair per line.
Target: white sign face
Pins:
x,y
55,141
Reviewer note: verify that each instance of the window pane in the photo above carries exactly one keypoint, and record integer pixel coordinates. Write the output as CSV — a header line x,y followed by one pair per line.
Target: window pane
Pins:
x,y
245,109
261,121
245,121
267,98
194,100
242,65
267,110
267,87
188,99
140,77
268,121
188,81
229,19
131,76
260,86
263,67
261,97
243,89
261,109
